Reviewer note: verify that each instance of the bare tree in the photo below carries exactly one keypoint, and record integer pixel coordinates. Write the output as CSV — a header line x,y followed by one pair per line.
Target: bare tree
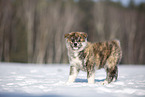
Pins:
x,y
99,20
54,20
5,25
29,12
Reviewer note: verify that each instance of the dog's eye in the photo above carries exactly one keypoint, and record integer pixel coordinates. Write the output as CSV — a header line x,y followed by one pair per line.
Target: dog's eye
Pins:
x,y
79,39
73,40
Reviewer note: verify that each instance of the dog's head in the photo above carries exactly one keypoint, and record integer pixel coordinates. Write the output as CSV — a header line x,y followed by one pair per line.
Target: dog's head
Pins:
x,y
76,40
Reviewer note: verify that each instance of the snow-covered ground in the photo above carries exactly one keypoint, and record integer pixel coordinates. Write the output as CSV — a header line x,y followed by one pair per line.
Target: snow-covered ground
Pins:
x,y
30,80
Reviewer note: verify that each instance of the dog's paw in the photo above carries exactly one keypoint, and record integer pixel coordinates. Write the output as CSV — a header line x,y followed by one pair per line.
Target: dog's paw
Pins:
x,y
91,82
68,82
104,83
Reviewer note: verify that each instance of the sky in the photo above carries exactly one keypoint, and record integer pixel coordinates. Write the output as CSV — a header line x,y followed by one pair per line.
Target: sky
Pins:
x,y
126,2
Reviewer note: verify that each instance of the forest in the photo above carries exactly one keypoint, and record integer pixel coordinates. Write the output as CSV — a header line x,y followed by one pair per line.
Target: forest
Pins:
x,y
32,31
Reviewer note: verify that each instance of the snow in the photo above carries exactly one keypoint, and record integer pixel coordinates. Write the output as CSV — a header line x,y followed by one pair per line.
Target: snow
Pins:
x,y
31,80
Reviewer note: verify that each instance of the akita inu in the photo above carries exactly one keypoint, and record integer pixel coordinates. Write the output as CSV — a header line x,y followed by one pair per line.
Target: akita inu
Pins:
x,y
88,57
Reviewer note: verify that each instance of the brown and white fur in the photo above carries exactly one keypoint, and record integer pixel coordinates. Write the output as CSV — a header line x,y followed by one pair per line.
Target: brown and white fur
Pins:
x,y
89,57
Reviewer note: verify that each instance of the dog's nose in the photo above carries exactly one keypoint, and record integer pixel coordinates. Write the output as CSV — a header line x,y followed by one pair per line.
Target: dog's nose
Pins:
x,y
75,44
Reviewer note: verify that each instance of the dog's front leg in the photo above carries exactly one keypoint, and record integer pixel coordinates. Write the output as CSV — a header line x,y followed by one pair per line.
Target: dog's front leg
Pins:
x,y
91,73
73,74
91,77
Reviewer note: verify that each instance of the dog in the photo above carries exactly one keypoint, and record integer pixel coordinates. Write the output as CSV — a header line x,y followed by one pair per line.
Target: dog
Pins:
x,y
89,57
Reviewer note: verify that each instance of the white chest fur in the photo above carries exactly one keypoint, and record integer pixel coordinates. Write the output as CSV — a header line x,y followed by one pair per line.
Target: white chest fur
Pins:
x,y
76,61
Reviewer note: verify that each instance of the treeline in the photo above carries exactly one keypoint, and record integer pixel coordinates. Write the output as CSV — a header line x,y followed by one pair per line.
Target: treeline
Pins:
x,y
33,30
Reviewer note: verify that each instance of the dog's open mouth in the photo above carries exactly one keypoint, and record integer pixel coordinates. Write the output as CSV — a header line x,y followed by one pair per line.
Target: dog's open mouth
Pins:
x,y
75,48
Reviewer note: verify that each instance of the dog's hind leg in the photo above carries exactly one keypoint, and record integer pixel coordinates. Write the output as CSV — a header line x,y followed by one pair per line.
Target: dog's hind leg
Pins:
x,y
112,74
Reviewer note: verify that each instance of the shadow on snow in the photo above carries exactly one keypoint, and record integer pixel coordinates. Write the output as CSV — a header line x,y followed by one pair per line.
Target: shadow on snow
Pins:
x,y
28,95
85,80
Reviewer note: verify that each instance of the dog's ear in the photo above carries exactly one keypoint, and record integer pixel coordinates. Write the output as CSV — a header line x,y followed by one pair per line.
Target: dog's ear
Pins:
x,y
66,35
85,35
